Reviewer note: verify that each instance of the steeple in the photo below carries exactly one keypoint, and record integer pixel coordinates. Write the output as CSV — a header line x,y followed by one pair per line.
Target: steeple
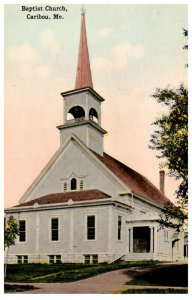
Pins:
x,y
82,106
83,76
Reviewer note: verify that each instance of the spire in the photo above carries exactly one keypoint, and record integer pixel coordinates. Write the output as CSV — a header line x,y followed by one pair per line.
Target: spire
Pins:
x,y
83,76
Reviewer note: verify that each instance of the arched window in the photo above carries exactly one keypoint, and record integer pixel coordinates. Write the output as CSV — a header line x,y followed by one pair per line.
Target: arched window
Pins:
x,y
93,115
73,184
75,112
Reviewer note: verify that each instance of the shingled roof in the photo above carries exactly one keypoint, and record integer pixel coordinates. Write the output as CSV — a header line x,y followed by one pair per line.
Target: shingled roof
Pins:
x,y
65,197
138,184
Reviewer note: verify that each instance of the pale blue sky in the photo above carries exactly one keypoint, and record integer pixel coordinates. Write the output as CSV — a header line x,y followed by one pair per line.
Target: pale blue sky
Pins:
x,y
133,49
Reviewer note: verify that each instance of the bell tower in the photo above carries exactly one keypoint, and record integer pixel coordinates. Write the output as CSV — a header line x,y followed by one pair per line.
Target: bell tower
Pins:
x,y
82,105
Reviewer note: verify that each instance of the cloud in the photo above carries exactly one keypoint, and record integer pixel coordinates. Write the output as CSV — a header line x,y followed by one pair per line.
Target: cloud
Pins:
x,y
24,52
120,55
24,61
48,40
104,32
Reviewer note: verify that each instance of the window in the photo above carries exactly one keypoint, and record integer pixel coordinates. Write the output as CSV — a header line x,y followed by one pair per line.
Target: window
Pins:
x,y
54,259
91,227
51,259
87,259
93,115
119,227
91,259
54,229
65,186
81,184
22,231
73,184
95,259
22,259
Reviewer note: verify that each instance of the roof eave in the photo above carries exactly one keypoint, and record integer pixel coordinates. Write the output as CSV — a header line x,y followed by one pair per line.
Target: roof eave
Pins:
x,y
81,90
149,201
66,205
83,122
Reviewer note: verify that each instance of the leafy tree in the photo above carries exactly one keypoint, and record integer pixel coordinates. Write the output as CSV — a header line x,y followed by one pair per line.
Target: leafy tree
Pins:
x,y
171,141
171,137
11,230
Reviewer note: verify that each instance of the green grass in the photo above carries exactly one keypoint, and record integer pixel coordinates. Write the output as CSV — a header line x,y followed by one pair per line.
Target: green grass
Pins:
x,y
64,272
166,275
11,288
155,291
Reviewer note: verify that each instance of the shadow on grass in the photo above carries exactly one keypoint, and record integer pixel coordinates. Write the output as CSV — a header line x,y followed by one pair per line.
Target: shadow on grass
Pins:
x,y
155,291
171,275
12,288
65,272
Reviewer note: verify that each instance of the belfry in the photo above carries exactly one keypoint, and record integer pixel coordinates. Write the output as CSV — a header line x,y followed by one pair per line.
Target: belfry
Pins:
x,y
82,106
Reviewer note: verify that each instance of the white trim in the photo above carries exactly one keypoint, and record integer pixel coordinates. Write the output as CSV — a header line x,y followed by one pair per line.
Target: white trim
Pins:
x,y
97,202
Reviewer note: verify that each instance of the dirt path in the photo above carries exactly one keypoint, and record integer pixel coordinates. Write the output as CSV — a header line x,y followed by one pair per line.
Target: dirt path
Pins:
x,y
101,284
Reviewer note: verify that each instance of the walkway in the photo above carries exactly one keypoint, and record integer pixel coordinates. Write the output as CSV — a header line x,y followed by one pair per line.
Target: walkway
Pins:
x,y
101,284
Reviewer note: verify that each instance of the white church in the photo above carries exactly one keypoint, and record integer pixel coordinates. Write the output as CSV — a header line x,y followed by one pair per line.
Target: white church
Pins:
x,y
85,206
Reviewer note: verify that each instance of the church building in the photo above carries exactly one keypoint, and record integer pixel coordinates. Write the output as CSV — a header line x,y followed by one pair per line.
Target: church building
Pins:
x,y
85,206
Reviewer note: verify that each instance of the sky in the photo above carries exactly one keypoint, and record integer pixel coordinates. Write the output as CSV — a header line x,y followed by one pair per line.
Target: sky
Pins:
x,y
133,50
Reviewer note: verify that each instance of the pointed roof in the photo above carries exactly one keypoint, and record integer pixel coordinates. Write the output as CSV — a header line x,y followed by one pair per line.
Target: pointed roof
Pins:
x,y
83,76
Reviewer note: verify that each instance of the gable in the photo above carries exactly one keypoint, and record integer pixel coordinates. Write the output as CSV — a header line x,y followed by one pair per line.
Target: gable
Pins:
x,y
74,160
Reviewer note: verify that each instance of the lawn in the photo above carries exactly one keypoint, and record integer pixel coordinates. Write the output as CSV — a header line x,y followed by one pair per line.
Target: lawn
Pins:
x,y
166,275
64,272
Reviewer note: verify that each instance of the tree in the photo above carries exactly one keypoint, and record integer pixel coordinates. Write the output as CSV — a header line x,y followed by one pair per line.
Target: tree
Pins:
x,y
11,231
171,141
171,137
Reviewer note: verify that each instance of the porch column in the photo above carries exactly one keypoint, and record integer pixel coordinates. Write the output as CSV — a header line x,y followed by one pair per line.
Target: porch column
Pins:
x,y
131,239
151,239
